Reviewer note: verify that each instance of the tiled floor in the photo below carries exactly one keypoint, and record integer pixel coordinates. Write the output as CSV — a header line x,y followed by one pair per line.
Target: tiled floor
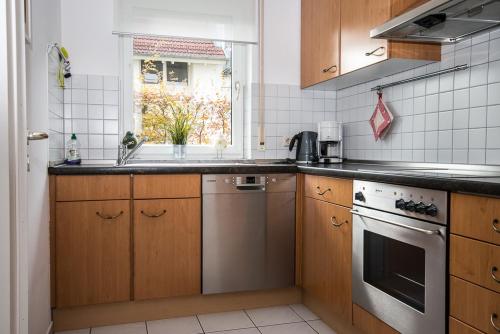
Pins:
x,y
292,319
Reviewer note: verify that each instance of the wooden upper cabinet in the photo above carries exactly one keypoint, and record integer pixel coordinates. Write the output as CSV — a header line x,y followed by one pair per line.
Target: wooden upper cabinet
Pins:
x,y
92,252
358,17
320,41
167,248
358,50
326,268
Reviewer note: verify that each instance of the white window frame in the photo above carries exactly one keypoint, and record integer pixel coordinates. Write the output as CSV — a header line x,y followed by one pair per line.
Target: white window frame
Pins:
x,y
165,151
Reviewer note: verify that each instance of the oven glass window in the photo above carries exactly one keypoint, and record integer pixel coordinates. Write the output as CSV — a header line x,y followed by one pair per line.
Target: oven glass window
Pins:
x,y
396,268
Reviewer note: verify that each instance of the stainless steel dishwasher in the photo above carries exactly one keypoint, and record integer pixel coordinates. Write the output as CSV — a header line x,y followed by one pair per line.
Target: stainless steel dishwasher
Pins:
x,y
248,232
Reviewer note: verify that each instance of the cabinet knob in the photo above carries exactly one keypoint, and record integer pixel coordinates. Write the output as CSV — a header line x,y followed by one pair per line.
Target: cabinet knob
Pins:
x,y
153,215
494,224
108,217
334,222
493,274
493,318
378,52
321,193
331,69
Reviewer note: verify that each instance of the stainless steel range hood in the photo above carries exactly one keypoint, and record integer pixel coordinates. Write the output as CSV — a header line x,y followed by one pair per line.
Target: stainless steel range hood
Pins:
x,y
441,21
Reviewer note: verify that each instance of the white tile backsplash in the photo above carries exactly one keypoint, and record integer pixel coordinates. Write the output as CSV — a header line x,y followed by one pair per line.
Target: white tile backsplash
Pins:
x,y
450,118
91,110
461,123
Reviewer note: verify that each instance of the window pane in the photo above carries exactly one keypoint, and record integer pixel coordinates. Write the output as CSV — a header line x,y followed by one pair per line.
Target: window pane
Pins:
x,y
192,76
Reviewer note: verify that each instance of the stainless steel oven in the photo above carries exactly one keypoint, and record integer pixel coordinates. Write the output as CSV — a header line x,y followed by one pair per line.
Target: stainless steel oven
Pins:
x,y
399,255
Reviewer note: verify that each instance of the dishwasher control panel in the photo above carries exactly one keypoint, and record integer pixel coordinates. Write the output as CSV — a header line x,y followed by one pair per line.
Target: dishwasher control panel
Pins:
x,y
235,183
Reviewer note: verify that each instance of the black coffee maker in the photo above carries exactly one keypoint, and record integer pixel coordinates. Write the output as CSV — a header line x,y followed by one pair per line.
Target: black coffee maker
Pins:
x,y
307,149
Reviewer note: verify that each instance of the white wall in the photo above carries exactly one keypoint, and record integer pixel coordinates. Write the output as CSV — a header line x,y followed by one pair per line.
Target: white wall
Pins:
x,y
86,28
45,29
282,42
86,33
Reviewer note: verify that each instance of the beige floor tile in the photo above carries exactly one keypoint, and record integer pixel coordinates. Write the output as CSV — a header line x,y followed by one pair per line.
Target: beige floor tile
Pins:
x,y
214,322
273,316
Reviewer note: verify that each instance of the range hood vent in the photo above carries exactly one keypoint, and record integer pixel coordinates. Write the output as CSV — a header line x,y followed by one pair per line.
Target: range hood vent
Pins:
x,y
441,21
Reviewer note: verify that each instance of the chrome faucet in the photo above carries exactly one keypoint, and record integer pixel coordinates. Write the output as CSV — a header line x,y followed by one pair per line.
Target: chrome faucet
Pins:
x,y
124,154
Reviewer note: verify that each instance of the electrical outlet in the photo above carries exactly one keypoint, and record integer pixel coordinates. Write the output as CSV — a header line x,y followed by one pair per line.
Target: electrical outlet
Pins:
x,y
285,141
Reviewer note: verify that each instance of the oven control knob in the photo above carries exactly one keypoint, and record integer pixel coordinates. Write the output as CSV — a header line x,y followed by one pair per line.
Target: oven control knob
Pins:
x,y
420,208
431,210
410,206
359,196
400,204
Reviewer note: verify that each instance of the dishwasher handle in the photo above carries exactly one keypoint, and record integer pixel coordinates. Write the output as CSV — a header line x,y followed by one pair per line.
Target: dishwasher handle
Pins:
x,y
251,187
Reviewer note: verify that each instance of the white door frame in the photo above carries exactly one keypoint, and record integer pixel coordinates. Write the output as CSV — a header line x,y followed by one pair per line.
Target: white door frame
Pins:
x,y
13,161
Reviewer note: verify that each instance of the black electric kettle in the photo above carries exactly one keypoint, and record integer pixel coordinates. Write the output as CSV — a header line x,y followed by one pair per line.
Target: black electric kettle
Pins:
x,y
307,149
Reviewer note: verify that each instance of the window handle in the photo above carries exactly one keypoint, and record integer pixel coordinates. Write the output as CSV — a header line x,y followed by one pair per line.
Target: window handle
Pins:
x,y
237,88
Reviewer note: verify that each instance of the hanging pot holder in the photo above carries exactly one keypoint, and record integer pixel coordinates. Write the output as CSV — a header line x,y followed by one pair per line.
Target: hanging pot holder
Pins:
x,y
381,119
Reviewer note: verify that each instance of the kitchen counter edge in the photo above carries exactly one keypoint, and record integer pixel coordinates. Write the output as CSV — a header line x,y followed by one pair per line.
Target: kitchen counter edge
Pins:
x,y
479,186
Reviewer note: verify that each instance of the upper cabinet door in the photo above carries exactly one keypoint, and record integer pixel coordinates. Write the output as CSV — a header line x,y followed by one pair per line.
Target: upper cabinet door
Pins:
x,y
358,17
320,41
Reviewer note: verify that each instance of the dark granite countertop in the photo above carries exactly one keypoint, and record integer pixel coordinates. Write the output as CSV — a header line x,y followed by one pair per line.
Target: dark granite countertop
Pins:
x,y
441,177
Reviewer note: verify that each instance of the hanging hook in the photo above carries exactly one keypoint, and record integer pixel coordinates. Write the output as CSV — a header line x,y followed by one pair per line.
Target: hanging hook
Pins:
x,y
379,92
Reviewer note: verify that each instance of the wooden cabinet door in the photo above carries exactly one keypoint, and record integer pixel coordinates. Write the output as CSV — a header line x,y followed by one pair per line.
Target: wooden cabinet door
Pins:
x,y
327,243
92,252
167,248
358,17
320,41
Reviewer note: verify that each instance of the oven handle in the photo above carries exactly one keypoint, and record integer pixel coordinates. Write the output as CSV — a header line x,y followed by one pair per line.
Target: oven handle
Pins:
x,y
421,230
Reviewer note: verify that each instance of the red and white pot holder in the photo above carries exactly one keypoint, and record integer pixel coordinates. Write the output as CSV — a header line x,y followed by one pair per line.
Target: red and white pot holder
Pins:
x,y
381,119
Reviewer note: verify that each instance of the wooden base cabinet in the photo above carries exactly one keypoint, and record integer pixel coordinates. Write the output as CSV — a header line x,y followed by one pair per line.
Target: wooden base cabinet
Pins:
x,y
167,248
326,268
93,252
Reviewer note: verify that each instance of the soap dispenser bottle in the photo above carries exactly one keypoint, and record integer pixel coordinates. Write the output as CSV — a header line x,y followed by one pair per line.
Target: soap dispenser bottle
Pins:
x,y
73,151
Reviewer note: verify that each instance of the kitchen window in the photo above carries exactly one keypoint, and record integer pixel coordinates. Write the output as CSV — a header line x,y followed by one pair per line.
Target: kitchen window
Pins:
x,y
202,61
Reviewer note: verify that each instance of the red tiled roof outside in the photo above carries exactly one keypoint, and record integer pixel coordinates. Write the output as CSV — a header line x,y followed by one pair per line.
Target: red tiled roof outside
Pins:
x,y
174,47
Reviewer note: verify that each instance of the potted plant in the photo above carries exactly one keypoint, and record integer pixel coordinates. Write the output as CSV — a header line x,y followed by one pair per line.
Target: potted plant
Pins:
x,y
178,128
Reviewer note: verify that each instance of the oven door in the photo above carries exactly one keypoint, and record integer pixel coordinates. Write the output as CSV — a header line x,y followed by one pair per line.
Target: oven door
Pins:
x,y
399,270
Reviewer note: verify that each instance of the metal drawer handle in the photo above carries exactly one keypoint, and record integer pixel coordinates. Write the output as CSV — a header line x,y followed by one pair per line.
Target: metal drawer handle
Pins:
x,y
108,217
493,275
493,317
154,215
329,69
321,193
495,224
421,230
373,53
333,220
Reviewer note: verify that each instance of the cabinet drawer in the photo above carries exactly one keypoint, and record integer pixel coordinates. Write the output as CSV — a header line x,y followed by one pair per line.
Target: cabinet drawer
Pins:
x,y
476,217
167,186
474,305
337,191
92,187
475,261
458,327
